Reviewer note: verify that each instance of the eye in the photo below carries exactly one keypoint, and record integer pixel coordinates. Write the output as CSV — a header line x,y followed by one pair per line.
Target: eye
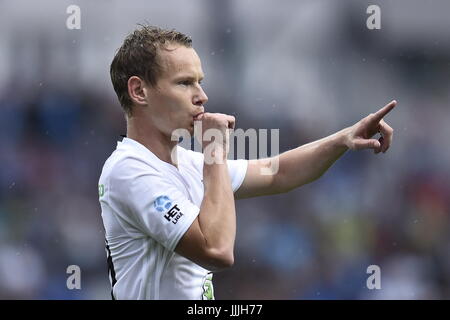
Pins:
x,y
185,82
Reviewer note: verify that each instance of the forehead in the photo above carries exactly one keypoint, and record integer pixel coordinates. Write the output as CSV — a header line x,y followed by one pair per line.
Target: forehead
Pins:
x,y
178,59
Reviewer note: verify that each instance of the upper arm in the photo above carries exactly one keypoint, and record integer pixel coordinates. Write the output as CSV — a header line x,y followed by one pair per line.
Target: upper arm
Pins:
x,y
259,179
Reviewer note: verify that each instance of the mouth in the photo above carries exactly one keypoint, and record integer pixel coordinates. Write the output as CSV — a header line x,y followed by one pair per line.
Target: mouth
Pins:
x,y
198,116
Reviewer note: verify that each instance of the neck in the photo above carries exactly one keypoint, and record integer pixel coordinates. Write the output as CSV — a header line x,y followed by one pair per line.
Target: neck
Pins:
x,y
149,136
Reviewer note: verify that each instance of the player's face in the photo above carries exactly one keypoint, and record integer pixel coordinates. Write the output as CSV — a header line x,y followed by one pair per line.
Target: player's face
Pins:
x,y
178,96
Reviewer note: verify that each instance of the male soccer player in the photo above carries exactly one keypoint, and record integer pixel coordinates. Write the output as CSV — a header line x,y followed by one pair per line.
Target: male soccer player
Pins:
x,y
168,213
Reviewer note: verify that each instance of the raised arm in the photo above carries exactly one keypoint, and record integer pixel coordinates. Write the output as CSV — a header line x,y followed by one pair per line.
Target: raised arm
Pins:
x,y
209,241
309,162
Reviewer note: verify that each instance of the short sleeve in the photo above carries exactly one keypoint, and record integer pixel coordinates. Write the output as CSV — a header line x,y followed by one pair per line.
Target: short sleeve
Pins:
x,y
237,170
153,202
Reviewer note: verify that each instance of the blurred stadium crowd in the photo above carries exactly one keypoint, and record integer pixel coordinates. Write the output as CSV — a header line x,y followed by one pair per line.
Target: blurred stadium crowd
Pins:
x,y
308,68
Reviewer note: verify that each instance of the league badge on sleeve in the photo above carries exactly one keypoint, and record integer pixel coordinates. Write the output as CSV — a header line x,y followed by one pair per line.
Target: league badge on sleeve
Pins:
x,y
163,204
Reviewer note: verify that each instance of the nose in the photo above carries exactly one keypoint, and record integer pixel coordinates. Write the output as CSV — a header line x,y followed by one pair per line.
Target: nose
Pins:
x,y
200,98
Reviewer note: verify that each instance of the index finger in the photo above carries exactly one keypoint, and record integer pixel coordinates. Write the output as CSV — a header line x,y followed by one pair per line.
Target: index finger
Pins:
x,y
384,111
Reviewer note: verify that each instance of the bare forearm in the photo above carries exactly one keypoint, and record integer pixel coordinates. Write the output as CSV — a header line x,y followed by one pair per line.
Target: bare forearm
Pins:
x,y
309,162
217,213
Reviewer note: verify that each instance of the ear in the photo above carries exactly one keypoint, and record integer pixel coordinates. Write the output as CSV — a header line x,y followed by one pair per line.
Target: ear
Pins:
x,y
137,90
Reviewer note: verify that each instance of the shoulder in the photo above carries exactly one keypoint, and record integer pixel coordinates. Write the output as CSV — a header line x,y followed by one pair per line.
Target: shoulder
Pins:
x,y
190,154
126,165
190,157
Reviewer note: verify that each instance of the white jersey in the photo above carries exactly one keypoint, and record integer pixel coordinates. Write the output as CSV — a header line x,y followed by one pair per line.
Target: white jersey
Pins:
x,y
147,206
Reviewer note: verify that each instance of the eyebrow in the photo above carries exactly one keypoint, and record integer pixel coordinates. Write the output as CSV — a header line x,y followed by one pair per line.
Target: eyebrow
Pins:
x,y
188,77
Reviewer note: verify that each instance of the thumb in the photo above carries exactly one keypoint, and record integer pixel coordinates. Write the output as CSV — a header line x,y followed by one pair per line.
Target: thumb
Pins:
x,y
366,144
